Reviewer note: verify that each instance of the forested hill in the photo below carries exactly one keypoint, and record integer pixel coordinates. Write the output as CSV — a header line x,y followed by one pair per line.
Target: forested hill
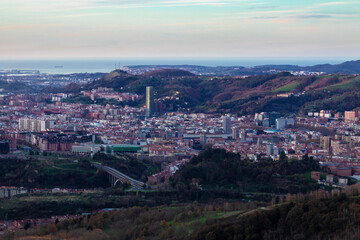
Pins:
x,y
14,87
336,218
313,218
218,169
244,95
169,73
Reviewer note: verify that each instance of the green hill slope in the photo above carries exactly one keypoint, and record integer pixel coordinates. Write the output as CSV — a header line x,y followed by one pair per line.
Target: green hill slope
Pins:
x,y
240,95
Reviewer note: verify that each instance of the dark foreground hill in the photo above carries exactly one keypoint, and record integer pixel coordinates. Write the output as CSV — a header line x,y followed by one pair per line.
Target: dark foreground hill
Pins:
x,y
334,218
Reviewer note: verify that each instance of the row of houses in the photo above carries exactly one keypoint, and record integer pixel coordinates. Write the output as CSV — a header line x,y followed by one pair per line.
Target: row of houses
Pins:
x,y
8,192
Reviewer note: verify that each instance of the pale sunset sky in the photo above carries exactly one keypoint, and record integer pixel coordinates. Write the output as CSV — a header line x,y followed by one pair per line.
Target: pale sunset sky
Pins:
x,y
179,28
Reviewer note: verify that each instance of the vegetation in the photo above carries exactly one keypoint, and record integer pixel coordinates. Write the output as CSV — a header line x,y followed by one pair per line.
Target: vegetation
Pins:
x,y
287,88
42,205
248,95
218,169
50,173
336,218
15,86
163,222
203,203
130,166
317,215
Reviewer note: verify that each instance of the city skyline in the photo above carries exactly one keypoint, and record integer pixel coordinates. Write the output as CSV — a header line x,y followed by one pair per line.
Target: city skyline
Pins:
x,y
158,28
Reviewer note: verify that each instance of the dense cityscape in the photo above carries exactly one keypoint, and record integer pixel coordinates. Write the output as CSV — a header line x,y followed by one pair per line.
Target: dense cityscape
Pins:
x,y
179,120
45,125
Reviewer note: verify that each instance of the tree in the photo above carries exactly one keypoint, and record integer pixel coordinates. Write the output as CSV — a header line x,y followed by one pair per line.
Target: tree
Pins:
x,y
283,156
210,236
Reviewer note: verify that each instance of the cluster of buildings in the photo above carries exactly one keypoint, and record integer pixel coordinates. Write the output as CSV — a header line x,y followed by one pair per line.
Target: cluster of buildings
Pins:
x,y
323,114
149,133
8,192
109,93
35,125
38,80
306,73
59,97
169,170
274,120
68,127
330,179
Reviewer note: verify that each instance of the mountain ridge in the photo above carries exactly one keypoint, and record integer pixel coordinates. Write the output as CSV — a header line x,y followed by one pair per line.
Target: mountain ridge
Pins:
x,y
282,92
348,67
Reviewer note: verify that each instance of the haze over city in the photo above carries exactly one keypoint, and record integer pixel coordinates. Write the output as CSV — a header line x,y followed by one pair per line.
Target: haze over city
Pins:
x,y
184,28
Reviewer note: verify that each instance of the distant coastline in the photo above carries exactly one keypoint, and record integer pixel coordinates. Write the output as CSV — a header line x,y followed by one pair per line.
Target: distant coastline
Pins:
x,y
108,65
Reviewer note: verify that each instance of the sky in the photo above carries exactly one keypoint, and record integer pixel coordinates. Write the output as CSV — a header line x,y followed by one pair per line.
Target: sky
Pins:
x,y
179,28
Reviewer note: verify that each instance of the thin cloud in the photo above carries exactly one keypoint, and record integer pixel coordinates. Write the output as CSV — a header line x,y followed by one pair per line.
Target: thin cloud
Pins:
x,y
338,3
270,17
313,16
23,27
262,7
85,4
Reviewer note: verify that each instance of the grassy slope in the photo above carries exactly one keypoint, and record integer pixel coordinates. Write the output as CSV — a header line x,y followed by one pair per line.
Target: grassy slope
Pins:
x,y
287,88
347,85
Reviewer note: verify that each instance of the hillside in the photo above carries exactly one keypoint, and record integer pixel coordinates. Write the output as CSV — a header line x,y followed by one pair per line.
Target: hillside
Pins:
x,y
14,86
70,88
330,218
349,67
116,79
50,172
168,73
311,219
241,95
216,169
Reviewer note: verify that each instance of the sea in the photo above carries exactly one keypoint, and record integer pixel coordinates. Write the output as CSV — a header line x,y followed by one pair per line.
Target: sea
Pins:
x,y
67,66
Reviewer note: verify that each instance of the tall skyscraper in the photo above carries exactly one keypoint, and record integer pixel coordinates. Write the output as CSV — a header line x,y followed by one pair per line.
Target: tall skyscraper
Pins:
x,y
226,124
149,101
